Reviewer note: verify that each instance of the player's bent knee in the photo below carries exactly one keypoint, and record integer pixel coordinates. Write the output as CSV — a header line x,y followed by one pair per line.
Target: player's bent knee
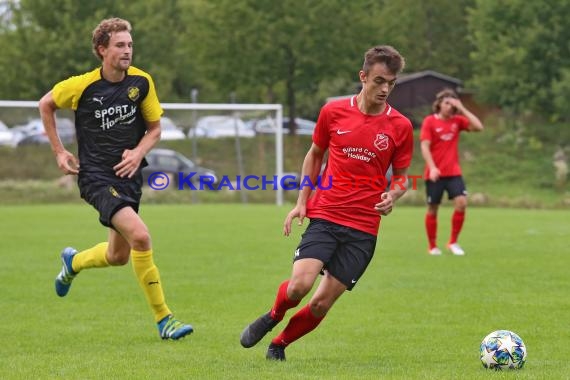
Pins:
x,y
460,203
298,289
140,240
319,308
118,258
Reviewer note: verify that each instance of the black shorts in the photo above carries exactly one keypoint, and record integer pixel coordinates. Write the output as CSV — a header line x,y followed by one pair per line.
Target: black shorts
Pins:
x,y
453,185
344,251
108,195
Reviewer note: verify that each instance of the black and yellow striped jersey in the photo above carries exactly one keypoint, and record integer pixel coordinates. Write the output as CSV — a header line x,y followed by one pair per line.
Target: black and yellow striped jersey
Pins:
x,y
109,117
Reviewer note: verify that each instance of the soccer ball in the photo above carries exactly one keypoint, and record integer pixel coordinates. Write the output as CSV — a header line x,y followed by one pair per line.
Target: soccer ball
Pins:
x,y
503,349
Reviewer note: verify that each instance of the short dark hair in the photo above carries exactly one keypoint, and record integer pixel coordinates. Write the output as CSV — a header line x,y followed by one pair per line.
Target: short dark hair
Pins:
x,y
102,32
445,93
384,54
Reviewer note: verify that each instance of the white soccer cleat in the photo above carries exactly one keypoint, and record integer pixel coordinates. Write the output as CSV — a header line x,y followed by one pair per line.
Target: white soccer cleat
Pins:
x,y
434,251
456,249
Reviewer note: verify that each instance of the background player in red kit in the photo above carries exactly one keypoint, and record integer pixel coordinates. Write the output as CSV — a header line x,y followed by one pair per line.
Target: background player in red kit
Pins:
x,y
439,138
363,136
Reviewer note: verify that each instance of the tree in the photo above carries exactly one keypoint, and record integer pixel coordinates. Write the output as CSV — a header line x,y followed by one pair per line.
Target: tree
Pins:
x,y
48,40
41,45
160,45
431,35
522,55
285,48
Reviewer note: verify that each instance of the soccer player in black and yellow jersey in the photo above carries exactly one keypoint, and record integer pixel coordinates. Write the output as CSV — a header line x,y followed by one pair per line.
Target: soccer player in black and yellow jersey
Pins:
x,y
117,120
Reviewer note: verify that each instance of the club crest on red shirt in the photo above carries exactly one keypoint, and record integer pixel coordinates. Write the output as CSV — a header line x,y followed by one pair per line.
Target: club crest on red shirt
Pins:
x,y
381,142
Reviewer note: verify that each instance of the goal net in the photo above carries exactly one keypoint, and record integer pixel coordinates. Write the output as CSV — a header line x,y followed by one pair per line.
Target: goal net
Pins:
x,y
240,145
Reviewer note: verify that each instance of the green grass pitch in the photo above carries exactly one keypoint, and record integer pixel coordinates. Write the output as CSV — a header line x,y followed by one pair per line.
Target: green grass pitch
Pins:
x,y
411,316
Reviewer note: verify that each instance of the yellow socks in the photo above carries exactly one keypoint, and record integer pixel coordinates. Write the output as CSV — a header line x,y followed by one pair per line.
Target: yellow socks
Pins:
x,y
145,270
149,280
95,257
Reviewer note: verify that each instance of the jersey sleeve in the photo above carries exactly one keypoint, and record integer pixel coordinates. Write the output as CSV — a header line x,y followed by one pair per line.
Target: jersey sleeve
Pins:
x,y
321,135
405,148
425,133
150,106
66,93
463,122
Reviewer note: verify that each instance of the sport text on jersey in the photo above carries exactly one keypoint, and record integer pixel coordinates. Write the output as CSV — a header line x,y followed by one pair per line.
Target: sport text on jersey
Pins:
x,y
117,114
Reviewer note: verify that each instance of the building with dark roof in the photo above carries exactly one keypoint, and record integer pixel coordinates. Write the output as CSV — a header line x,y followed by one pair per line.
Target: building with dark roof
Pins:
x,y
415,92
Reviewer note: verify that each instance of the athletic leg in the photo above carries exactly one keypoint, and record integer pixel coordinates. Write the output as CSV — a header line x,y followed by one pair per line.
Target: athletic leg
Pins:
x,y
289,294
434,193
307,318
132,232
458,217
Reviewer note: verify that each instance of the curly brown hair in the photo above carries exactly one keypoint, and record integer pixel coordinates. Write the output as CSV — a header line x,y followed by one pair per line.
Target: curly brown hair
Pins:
x,y
445,93
102,32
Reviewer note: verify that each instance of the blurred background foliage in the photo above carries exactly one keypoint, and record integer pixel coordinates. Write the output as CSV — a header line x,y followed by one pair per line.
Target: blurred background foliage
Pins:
x,y
513,54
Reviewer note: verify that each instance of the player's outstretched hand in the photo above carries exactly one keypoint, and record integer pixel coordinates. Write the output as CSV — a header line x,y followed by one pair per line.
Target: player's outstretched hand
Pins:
x,y
298,212
129,164
67,162
385,205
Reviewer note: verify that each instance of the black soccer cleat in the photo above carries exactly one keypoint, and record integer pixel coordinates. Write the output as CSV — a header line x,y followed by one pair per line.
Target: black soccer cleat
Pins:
x,y
275,352
256,330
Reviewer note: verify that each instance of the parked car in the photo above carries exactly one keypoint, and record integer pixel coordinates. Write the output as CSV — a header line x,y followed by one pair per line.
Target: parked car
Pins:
x,y
34,133
6,135
171,162
269,126
169,130
220,126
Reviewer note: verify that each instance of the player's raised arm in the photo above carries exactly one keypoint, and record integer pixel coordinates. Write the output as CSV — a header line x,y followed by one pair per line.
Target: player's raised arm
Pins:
x,y
475,125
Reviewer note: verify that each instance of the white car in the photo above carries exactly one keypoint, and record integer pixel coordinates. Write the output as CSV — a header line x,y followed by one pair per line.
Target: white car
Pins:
x,y
6,135
269,126
220,126
34,133
169,130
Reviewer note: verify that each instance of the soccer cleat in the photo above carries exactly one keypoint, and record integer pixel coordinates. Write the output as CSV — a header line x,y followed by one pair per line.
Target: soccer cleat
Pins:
x,y
434,251
170,328
456,249
255,331
64,278
275,352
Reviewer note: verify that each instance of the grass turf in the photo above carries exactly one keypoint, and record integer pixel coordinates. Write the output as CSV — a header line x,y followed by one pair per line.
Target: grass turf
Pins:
x,y
411,316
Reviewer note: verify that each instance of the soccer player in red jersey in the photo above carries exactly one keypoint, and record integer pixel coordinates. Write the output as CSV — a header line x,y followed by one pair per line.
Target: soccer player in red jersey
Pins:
x,y
363,136
439,139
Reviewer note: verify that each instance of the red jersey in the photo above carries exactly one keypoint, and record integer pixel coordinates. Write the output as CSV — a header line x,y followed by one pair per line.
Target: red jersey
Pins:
x,y
361,148
444,138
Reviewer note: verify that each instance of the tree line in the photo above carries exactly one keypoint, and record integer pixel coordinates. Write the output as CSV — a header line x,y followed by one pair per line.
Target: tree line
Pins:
x,y
513,54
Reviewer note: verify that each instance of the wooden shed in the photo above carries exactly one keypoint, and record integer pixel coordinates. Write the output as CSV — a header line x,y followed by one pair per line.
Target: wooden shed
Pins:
x,y
419,89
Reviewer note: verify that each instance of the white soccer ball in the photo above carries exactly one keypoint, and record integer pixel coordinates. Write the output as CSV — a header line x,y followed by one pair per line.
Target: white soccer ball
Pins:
x,y
503,349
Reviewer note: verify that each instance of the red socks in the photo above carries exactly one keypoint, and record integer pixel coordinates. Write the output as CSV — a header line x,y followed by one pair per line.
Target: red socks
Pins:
x,y
431,229
456,225
300,324
282,302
